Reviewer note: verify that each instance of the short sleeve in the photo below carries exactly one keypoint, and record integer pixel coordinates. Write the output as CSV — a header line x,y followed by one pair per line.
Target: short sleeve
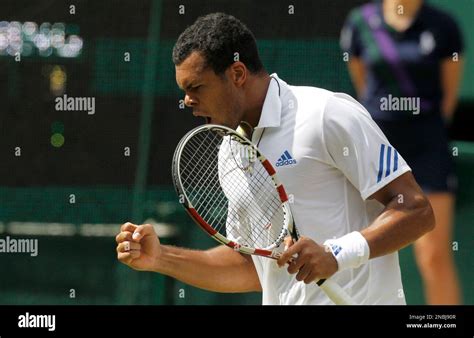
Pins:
x,y
357,147
349,39
452,41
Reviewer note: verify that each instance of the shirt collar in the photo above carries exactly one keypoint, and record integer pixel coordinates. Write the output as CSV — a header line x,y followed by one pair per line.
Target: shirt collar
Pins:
x,y
271,110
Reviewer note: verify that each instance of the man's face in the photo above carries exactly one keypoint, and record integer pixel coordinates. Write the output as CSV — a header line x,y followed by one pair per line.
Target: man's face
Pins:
x,y
211,96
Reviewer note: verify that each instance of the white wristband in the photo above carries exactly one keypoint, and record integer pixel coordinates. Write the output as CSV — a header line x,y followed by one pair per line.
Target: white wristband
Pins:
x,y
350,251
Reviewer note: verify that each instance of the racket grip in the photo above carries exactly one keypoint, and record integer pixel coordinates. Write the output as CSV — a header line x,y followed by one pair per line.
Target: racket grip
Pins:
x,y
336,293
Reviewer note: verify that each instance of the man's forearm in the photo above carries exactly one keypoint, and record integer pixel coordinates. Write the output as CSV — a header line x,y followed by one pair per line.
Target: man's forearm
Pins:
x,y
400,223
220,269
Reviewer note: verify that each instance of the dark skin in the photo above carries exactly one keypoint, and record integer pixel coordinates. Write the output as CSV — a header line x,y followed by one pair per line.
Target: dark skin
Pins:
x,y
226,99
238,95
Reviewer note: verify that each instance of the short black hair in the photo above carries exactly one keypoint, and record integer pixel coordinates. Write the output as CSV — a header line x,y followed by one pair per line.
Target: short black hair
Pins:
x,y
218,37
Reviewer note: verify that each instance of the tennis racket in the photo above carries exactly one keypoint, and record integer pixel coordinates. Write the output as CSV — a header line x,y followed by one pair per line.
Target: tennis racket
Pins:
x,y
233,193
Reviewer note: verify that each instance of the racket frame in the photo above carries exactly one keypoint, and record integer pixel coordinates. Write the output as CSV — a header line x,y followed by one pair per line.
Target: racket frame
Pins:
x,y
288,226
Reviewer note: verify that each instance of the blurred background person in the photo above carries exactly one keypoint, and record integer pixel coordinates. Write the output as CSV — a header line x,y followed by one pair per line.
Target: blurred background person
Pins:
x,y
405,64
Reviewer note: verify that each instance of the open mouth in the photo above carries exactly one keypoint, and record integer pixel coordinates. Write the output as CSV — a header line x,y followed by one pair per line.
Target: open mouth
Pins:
x,y
206,118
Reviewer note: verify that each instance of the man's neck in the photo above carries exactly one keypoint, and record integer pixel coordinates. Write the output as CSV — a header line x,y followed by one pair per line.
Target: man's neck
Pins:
x,y
256,93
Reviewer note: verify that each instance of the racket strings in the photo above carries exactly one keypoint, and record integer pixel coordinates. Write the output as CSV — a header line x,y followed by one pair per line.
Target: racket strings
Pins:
x,y
250,212
190,172
200,177
215,196
263,194
231,190
255,209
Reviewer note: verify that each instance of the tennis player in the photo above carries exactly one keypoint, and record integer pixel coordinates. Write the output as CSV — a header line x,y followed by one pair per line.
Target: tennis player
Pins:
x,y
355,201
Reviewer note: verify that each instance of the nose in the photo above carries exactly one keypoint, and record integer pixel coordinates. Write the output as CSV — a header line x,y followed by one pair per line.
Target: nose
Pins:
x,y
188,101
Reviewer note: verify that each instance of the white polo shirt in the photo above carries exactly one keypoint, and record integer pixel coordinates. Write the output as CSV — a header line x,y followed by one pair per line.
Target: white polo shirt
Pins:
x,y
330,156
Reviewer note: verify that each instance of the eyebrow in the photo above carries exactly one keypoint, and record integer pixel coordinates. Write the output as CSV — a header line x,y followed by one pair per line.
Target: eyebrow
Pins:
x,y
185,84
189,85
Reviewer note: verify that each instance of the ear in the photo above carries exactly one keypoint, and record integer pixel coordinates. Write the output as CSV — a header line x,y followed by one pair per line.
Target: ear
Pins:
x,y
238,73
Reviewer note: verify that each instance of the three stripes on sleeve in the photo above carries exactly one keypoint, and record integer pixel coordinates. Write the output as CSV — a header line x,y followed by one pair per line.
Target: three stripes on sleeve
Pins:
x,y
388,162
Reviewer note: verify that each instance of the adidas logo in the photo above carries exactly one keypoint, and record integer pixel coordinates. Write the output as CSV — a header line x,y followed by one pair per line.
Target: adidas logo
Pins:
x,y
285,159
335,249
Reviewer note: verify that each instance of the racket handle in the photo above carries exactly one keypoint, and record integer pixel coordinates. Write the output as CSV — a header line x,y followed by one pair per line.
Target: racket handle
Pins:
x,y
330,288
336,293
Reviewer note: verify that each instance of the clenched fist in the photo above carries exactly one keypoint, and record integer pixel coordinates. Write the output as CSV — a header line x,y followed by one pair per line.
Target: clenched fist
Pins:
x,y
138,246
